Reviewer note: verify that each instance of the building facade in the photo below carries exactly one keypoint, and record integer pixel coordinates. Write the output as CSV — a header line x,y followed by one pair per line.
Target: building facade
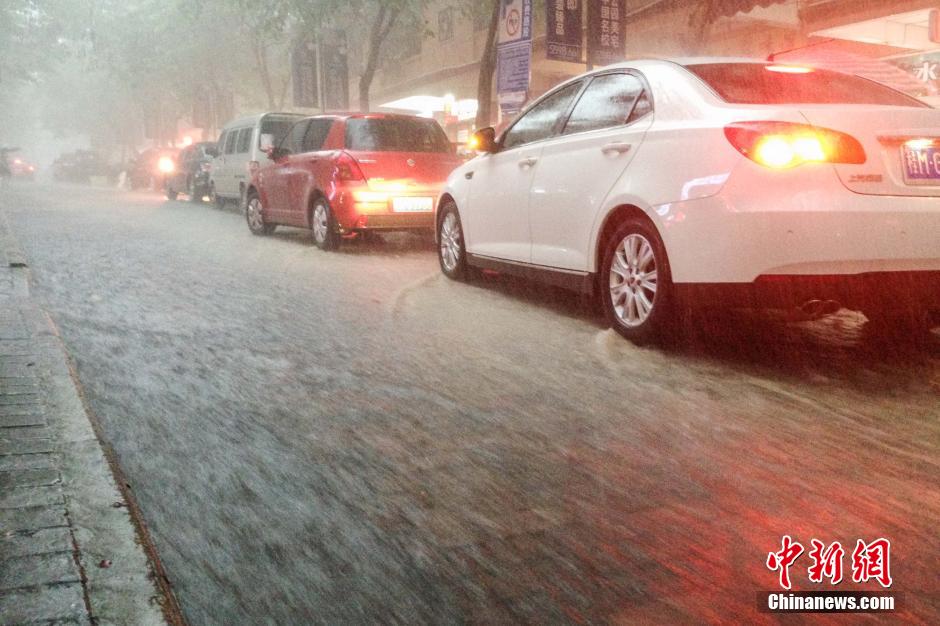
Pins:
x,y
888,40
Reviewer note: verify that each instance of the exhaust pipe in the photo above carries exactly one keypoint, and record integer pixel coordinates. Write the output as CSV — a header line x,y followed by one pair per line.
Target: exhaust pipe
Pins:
x,y
815,309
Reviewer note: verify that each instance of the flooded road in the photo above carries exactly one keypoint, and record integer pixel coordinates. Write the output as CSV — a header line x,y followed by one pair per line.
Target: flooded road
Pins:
x,y
349,437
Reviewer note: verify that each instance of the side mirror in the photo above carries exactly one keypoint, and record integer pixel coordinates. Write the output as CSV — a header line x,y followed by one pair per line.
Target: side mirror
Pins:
x,y
267,142
277,154
484,140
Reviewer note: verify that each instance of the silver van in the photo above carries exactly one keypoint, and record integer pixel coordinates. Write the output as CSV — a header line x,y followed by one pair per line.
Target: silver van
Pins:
x,y
241,151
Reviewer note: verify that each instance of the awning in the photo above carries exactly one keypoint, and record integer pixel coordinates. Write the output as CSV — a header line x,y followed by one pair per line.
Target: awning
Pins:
x,y
713,9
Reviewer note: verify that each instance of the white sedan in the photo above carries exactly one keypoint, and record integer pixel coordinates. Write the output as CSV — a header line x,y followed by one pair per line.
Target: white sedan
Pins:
x,y
709,182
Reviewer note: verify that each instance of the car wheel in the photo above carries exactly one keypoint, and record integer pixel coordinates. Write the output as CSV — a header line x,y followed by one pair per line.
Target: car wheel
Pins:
x,y
255,217
194,195
217,200
451,249
323,226
635,285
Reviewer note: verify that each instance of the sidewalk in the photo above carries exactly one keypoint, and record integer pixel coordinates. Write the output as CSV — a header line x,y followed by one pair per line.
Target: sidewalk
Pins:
x,y
69,551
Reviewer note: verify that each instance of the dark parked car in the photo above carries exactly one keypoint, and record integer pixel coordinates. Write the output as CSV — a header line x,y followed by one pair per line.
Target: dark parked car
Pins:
x,y
80,166
191,172
145,171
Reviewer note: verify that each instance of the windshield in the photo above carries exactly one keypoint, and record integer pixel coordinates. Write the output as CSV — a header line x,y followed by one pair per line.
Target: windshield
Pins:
x,y
759,83
395,134
277,127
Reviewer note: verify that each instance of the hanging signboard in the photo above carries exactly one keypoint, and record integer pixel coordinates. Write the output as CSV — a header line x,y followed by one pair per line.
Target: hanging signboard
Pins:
x,y
513,63
605,33
563,37
515,21
513,54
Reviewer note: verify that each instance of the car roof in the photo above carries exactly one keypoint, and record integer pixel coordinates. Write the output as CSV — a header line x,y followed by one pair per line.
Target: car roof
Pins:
x,y
374,115
252,120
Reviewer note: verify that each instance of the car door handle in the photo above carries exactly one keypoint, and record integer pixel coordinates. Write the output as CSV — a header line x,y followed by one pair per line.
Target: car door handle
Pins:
x,y
528,162
617,148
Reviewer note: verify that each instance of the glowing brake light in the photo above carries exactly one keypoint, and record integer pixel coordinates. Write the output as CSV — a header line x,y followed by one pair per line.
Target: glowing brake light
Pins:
x,y
789,69
166,165
782,145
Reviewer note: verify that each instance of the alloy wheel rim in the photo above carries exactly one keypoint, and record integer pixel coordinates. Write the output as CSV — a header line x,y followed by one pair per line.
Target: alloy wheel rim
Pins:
x,y
320,225
254,214
450,242
633,280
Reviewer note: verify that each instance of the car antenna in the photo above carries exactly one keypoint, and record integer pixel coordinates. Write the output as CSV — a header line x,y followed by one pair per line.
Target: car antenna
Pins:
x,y
772,57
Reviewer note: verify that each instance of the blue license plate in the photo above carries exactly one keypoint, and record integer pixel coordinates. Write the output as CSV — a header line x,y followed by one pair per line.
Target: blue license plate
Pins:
x,y
921,165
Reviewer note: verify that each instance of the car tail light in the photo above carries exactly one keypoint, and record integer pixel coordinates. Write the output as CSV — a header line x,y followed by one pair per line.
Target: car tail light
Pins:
x,y
789,69
347,169
253,167
782,145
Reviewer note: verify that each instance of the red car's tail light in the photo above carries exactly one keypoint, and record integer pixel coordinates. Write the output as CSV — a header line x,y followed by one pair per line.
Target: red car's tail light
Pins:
x,y
347,169
782,145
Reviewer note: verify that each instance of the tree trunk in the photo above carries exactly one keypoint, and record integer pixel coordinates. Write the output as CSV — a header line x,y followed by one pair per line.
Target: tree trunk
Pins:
x,y
384,21
261,60
487,69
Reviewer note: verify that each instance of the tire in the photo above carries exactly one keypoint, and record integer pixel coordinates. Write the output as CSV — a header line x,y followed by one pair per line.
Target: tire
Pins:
x,y
194,195
255,217
171,194
634,284
323,226
217,200
451,248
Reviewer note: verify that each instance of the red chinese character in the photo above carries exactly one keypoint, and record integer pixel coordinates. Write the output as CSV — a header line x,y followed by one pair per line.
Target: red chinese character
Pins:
x,y
826,563
790,551
872,561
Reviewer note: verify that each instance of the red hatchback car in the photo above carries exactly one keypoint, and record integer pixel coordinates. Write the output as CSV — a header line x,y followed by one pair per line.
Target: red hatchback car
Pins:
x,y
343,174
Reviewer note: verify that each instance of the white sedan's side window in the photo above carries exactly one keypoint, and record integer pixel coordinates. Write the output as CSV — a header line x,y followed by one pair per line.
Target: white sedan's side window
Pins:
x,y
607,102
541,121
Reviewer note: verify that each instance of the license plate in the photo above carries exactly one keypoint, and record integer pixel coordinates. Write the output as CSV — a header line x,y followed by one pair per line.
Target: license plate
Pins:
x,y
412,205
921,165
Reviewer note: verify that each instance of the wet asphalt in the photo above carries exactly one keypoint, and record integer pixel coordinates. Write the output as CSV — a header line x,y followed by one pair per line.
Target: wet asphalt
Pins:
x,y
351,438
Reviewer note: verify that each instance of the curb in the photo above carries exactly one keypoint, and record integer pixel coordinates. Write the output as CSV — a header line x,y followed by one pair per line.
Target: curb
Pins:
x,y
121,578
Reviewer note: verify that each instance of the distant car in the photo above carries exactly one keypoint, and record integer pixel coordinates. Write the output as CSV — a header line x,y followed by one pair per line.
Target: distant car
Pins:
x,y
22,169
344,174
241,151
145,171
80,167
711,183
191,172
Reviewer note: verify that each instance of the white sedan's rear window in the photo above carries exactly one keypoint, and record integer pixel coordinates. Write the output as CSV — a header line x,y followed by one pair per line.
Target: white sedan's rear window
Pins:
x,y
759,83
